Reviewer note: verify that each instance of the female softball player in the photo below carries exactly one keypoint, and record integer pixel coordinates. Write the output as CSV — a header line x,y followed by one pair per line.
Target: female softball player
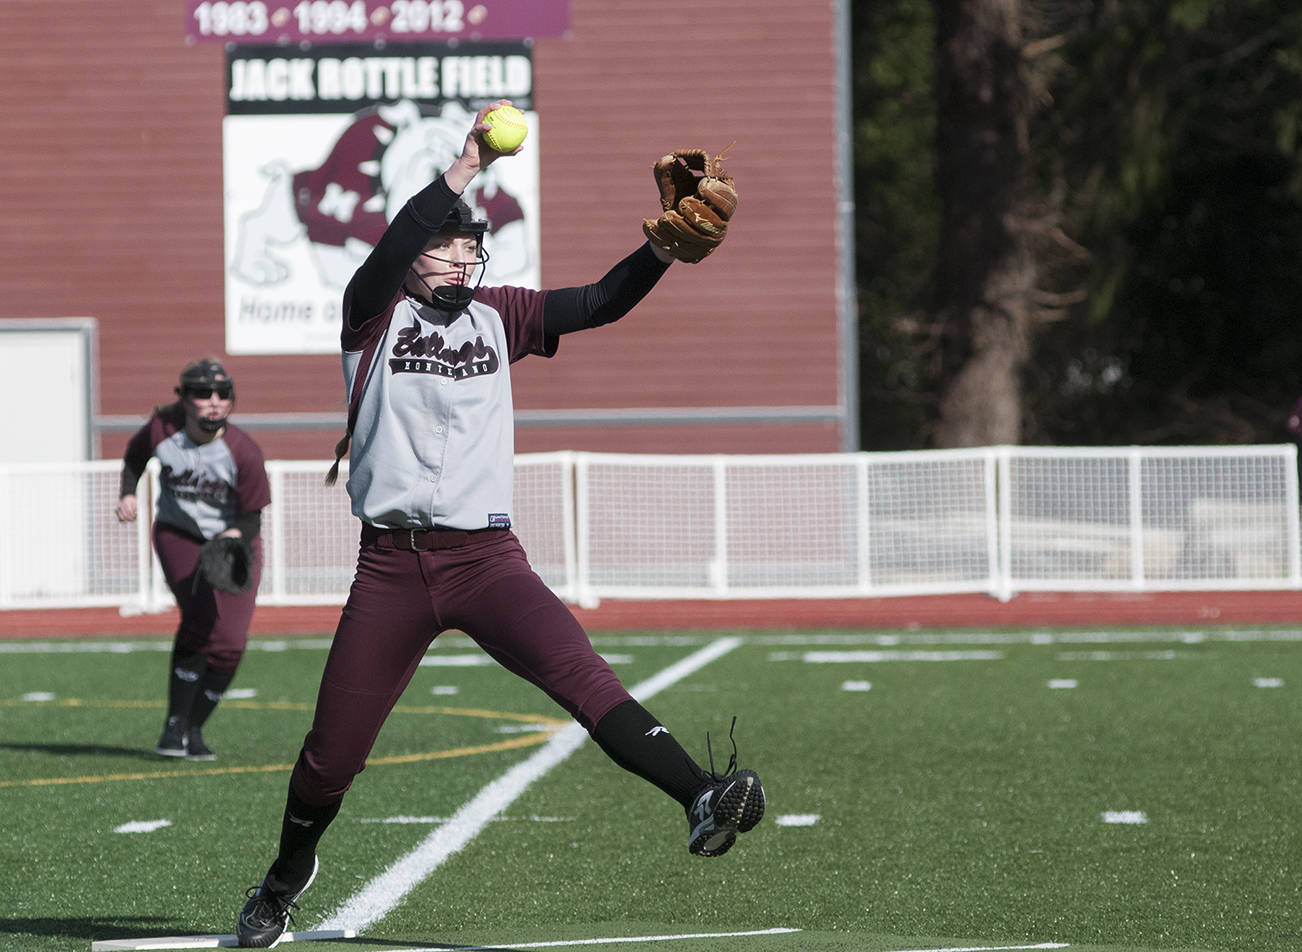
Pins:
x,y
426,360
212,483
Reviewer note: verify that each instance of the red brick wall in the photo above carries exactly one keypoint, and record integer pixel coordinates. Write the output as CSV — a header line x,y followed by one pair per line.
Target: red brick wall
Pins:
x,y
111,183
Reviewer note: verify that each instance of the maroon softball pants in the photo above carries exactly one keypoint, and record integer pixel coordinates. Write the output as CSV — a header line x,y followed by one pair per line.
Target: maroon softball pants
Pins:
x,y
399,602
212,622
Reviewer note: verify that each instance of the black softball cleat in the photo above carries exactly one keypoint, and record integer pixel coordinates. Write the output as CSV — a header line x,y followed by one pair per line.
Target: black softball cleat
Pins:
x,y
268,913
728,804
731,805
195,748
172,743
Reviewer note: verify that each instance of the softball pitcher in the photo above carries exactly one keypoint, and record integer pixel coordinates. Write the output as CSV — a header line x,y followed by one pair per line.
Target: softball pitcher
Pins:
x,y
426,361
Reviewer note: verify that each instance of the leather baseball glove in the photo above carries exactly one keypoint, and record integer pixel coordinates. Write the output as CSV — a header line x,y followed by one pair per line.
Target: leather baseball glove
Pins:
x,y
227,564
698,198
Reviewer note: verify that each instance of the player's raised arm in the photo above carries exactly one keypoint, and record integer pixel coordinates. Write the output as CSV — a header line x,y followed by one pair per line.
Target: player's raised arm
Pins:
x,y
566,310
698,198
383,272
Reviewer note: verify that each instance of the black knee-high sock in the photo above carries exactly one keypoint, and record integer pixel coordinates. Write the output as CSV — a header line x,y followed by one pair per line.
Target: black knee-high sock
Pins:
x,y
640,744
184,682
211,687
301,829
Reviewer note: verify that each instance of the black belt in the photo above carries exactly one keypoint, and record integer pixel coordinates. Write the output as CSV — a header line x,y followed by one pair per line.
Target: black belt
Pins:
x,y
420,540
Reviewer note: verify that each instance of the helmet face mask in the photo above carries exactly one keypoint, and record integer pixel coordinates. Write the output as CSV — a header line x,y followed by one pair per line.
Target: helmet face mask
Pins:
x,y
202,380
453,295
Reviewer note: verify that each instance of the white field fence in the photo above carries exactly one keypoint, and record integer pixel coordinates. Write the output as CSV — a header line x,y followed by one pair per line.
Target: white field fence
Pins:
x,y
996,520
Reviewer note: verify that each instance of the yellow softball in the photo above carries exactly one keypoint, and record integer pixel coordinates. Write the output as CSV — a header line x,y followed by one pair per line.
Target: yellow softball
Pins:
x,y
508,129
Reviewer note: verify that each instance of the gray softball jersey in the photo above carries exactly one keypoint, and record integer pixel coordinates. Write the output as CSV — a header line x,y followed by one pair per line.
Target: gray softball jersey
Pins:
x,y
204,487
434,441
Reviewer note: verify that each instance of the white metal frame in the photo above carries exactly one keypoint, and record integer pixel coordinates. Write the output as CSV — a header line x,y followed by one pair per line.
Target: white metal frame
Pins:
x,y
990,527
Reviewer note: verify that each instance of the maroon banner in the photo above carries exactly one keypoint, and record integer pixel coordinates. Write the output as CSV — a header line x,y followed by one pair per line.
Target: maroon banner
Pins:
x,y
365,21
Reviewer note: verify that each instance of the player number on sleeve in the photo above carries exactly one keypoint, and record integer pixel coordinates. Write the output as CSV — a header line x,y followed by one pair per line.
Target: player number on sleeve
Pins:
x,y
425,16
331,17
232,19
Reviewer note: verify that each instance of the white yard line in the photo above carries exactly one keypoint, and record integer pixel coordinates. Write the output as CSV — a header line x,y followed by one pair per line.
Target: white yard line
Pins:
x,y
1028,636
1138,635
873,657
78,646
383,894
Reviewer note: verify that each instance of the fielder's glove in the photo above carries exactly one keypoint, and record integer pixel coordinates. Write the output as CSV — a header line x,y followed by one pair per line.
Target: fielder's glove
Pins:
x,y
227,564
698,198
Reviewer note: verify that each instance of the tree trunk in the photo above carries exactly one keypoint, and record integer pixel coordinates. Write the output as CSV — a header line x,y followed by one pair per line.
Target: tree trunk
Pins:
x,y
985,271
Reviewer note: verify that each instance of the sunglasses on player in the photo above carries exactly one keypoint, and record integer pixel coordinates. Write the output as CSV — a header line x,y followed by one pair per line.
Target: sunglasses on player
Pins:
x,y
203,393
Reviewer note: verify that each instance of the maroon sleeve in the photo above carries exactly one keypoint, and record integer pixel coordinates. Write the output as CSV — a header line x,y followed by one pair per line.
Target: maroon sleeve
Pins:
x,y
522,317
252,488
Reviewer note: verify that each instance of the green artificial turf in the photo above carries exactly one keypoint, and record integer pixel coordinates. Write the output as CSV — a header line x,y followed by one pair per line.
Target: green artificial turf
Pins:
x,y
934,791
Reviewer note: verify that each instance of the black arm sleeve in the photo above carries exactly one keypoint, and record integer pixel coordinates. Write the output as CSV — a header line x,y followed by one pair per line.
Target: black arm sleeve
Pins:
x,y
130,478
382,273
249,523
134,460
566,310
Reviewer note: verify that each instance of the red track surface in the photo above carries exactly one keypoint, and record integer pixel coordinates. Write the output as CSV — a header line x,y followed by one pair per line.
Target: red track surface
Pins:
x,y
1070,609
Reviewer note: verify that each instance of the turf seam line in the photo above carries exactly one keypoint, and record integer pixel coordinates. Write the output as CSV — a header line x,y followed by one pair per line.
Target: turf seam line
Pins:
x,y
993,948
610,940
205,941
